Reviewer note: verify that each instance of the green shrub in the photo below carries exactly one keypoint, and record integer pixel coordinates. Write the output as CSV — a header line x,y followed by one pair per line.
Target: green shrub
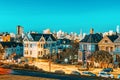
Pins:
x,y
26,66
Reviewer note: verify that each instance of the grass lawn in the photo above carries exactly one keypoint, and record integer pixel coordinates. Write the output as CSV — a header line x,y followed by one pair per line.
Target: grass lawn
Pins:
x,y
17,77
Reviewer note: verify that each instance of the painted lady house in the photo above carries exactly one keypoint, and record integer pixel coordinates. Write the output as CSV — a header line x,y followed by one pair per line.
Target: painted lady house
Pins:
x,y
11,50
88,45
38,45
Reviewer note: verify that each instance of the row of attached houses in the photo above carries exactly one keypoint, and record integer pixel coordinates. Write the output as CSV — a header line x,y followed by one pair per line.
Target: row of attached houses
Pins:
x,y
9,49
34,45
94,42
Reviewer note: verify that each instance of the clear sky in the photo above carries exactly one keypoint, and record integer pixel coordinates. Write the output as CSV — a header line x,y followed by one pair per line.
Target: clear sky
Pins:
x,y
67,15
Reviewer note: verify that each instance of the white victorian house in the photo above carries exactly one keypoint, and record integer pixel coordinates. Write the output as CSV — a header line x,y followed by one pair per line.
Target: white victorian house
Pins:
x,y
37,45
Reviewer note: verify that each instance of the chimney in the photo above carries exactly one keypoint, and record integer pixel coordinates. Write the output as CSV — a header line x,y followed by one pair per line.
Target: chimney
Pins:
x,y
91,31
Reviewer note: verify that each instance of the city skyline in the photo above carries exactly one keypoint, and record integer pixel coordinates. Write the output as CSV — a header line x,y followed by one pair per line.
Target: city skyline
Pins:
x,y
69,15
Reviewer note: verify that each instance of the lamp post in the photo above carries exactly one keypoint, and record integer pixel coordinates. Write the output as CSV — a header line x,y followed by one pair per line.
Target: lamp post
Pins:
x,y
50,51
50,64
84,58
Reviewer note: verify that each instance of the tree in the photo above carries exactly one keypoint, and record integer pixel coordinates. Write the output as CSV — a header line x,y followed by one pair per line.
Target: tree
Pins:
x,y
12,56
70,51
2,53
101,57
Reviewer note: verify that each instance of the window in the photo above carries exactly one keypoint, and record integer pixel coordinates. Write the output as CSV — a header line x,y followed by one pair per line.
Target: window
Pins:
x,y
42,40
41,52
12,50
92,47
53,44
21,49
45,52
26,45
31,45
30,52
106,41
89,47
39,45
38,52
64,42
26,52
107,49
85,47
17,49
111,48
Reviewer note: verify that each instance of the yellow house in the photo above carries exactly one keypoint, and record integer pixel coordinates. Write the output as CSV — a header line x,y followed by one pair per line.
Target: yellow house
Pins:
x,y
107,43
5,37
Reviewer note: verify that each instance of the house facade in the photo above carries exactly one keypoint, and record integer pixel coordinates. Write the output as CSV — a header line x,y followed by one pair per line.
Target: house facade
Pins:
x,y
88,45
63,44
5,37
116,52
107,43
11,49
37,45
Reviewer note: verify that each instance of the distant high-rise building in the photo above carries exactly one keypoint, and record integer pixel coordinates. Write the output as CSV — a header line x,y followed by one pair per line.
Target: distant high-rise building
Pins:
x,y
117,29
91,31
47,31
19,30
81,35
111,32
84,34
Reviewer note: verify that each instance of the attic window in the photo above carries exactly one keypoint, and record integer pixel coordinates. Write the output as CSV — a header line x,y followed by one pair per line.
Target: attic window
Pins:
x,y
106,41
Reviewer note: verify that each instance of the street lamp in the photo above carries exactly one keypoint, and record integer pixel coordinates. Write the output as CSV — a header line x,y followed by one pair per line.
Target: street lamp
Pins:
x,y
84,58
50,51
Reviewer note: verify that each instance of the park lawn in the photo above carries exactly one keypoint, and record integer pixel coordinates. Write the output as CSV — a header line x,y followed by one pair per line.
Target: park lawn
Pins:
x,y
18,77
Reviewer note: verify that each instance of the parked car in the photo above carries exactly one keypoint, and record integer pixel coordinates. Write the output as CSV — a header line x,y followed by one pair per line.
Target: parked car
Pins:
x,y
118,76
88,73
75,73
105,74
107,70
59,72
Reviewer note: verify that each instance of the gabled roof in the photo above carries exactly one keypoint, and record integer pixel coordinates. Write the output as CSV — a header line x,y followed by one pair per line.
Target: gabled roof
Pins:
x,y
92,38
37,36
4,34
10,44
113,37
117,40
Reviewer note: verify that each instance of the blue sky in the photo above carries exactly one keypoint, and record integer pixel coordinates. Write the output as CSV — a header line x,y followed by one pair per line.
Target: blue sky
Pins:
x,y
67,15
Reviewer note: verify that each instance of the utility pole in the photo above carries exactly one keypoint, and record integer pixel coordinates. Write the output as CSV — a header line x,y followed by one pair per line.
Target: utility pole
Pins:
x,y
50,65
83,58
50,49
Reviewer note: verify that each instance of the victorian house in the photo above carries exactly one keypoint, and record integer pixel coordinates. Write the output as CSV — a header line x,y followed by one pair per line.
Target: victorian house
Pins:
x,y
107,43
88,45
5,37
116,52
63,43
37,45
11,50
